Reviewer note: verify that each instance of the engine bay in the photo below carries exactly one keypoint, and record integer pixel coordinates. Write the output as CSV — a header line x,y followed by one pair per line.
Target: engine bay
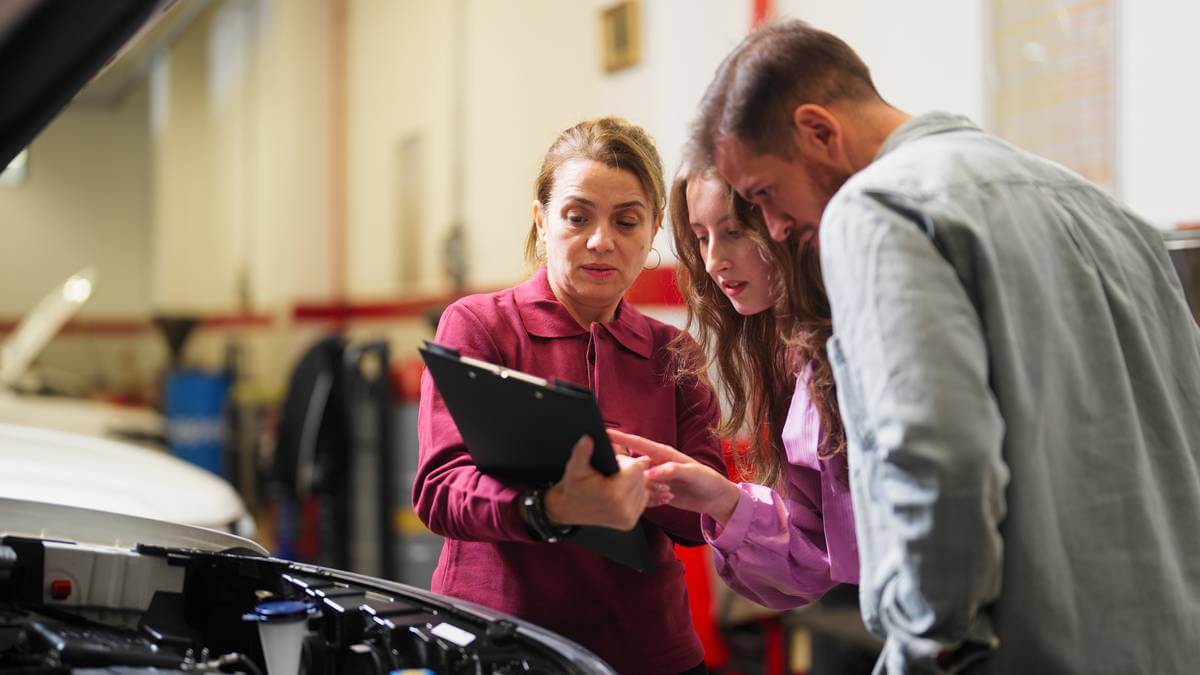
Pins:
x,y
76,608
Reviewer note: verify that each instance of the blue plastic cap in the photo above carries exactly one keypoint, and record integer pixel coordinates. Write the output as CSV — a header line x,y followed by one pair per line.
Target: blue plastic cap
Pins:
x,y
280,610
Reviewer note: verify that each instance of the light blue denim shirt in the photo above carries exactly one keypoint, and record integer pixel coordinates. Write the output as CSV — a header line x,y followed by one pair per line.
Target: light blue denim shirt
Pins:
x,y
1020,379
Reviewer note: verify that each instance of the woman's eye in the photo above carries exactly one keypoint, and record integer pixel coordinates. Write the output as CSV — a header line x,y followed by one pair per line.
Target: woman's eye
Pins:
x,y
627,224
702,239
734,233
576,218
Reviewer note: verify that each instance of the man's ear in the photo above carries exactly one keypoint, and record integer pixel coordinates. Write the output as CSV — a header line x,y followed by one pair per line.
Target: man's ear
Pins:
x,y
817,133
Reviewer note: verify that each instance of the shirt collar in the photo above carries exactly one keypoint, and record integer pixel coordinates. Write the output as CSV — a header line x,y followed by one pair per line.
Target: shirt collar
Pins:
x,y
544,316
925,125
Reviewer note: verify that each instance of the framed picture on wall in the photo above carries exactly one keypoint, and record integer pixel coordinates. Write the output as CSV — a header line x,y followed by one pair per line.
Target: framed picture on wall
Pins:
x,y
621,35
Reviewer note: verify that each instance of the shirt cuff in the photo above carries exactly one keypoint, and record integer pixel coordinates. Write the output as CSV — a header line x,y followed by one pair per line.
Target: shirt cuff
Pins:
x,y
727,538
518,529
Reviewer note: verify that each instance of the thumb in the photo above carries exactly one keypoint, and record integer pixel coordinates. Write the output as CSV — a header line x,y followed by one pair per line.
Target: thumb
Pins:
x,y
581,455
640,464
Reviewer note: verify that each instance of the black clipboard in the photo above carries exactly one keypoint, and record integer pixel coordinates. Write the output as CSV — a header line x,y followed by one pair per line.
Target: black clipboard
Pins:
x,y
522,427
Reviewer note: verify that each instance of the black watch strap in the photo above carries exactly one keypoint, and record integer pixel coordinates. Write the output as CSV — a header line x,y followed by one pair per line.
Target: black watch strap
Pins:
x,y
534,500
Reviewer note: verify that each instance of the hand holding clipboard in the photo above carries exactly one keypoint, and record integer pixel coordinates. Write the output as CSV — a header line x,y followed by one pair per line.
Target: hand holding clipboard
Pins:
x,y
585,497
524,428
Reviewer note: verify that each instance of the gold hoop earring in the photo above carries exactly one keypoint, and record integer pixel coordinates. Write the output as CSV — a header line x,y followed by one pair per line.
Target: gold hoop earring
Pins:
x,y
657,262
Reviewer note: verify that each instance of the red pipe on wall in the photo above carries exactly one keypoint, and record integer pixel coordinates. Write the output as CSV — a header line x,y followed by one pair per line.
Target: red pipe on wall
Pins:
x,y
761,11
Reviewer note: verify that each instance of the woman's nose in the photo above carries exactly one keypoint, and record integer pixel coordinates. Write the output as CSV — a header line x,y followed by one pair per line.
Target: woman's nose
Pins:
x,y
715,261
601,239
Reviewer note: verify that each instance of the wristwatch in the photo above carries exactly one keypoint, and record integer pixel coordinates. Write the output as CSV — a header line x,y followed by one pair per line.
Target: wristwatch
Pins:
x,y
534,500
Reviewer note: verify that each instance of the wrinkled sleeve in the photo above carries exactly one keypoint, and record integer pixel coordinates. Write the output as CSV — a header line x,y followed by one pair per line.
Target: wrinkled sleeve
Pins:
x,y
772,550
697,415
924,428
450,495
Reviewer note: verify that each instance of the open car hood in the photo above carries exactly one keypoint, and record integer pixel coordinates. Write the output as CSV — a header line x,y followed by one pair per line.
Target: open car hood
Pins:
x,y
41,324
49,49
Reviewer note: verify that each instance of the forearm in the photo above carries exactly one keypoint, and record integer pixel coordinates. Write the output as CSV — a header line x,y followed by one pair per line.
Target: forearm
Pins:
x,y
450,494
933,547
462,503
720,498
770,551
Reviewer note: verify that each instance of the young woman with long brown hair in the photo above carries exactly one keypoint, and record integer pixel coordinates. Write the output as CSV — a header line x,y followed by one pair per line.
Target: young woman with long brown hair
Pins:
x,y
759,309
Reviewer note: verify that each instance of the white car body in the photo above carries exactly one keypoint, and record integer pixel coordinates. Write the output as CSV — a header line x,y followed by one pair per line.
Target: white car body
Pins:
x,y
61,450
57,467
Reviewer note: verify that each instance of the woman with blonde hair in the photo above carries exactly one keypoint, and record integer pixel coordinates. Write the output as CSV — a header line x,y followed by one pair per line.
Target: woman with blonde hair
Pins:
x,y
599,201
786,535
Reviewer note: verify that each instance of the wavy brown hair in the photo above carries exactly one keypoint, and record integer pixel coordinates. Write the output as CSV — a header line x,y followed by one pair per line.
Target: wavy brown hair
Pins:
x,y
757,357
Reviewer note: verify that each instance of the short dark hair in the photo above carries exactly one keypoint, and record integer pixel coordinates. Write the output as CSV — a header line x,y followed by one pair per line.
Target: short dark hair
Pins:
x,y
776,69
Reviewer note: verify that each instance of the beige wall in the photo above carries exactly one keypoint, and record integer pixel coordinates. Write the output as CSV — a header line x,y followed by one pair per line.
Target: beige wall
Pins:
x,y
242,176
546,81
291,137
1158,103
923,56
241,171
533,68
550,78
194,255
85,202
224,190
398,84
530,70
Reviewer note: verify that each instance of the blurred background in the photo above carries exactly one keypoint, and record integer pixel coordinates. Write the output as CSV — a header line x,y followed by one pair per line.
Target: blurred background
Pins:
x,y
258,210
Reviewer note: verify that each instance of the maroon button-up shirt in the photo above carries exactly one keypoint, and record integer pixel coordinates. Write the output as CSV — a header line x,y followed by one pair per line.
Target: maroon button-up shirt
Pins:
x,y
638,623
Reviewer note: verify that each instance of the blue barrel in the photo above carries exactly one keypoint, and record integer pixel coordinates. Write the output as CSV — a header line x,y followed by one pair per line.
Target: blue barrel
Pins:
x,y
195,409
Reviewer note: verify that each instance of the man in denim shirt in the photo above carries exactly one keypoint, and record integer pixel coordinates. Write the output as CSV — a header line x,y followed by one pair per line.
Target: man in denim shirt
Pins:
x,y
1016,364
